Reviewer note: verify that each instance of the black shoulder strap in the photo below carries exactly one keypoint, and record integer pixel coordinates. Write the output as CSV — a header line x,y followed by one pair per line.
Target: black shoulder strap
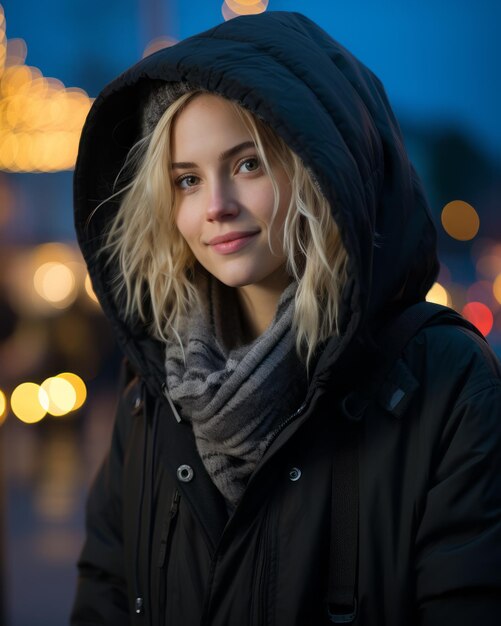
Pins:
x,y
398,332
343,555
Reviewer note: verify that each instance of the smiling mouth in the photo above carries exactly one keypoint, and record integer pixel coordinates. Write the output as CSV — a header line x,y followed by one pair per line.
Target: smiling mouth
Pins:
x,y
225,245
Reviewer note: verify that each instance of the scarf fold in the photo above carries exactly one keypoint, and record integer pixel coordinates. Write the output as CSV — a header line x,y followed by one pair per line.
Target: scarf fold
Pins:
x,y
235,394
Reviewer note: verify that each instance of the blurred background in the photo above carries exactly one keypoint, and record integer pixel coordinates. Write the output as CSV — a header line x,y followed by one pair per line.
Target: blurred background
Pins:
x,y
439,63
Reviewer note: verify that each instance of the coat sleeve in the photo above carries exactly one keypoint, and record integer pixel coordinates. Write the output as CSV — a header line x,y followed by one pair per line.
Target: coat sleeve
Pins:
x,y
101,596
458,549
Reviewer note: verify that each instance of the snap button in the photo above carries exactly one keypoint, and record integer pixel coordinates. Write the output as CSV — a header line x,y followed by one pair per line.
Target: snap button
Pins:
x,y
294,474
137,402
353,406
185,473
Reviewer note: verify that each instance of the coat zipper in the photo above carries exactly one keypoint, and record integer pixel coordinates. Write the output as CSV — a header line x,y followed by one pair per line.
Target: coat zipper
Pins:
x,y
264,578
286,422
205,612
165,541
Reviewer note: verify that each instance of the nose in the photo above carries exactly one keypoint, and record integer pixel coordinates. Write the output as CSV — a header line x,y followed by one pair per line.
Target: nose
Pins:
x,y
222,202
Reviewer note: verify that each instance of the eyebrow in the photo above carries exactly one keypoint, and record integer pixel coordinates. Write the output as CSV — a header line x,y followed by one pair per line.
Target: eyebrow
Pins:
x,y
227,154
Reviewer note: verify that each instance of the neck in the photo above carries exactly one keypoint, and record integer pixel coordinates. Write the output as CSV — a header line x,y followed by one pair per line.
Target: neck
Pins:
x,y
259,305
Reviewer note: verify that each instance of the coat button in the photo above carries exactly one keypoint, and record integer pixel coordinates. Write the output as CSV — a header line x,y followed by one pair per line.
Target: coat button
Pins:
x,y
137,402
294,474
185,473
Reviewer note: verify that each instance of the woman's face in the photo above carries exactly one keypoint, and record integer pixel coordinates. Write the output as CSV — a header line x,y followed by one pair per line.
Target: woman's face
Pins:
x,y
224,198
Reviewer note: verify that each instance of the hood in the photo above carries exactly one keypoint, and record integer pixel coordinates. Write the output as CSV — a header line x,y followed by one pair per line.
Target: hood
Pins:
x,y
330,109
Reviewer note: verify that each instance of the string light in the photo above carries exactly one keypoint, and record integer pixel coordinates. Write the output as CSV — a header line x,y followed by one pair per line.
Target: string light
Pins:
x,y
40,119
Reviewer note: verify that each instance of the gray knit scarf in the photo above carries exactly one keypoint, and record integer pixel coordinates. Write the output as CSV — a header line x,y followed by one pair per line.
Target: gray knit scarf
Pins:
x,y
235,394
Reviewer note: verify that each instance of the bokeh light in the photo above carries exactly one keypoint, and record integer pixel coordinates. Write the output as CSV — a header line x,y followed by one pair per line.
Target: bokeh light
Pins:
x,y
29,402
45,280
234,8
78,385
40,119
3,407
480,315
489,264
89,290
439,295
460,220
55,282
496,288
61,394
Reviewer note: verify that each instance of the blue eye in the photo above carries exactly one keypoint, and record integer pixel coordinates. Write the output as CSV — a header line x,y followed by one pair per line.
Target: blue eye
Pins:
x,y
252,161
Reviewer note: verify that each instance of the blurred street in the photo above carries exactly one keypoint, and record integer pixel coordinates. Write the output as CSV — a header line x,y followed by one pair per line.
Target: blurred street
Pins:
x,y
58,359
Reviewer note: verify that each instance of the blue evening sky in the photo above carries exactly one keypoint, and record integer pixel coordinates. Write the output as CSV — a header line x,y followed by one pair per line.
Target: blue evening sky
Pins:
x,y
438,59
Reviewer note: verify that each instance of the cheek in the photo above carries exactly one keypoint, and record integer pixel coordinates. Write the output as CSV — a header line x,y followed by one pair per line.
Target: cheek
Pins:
x,y
261,202
186,224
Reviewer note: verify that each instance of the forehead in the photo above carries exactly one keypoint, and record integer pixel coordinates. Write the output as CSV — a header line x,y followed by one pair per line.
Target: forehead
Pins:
x,y
207,120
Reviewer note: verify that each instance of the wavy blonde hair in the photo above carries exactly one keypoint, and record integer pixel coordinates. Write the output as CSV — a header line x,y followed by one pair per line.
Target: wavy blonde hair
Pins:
x,y
155,270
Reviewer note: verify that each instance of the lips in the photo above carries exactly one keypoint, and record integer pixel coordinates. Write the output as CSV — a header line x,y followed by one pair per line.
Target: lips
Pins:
x,y
231,237
232,242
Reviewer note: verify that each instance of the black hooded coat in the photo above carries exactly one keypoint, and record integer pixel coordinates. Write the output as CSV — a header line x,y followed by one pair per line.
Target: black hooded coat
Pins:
x,y
160,548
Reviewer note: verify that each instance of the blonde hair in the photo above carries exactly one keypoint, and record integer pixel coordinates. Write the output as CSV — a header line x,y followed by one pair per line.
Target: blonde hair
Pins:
x,y
156,270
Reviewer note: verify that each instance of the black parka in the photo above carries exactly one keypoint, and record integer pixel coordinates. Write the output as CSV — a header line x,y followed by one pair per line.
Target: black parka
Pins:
x,y
160,548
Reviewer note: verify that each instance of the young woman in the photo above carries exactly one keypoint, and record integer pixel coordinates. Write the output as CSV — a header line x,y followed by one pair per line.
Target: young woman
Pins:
x,y
253,228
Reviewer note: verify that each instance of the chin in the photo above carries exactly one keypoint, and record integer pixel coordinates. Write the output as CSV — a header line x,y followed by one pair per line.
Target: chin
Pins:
x,y
236,282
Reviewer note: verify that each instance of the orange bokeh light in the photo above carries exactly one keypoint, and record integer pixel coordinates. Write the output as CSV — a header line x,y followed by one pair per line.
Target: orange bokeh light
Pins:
x,y
234,8
460,220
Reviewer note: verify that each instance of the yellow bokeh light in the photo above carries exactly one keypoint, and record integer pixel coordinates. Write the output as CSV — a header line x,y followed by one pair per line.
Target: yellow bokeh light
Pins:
x,y
29,402
55,282
496,288
439,295
14,79
233,8
40,119
89,289
62,395
244,3
78,385
53,251
247,8
3,407
460,220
